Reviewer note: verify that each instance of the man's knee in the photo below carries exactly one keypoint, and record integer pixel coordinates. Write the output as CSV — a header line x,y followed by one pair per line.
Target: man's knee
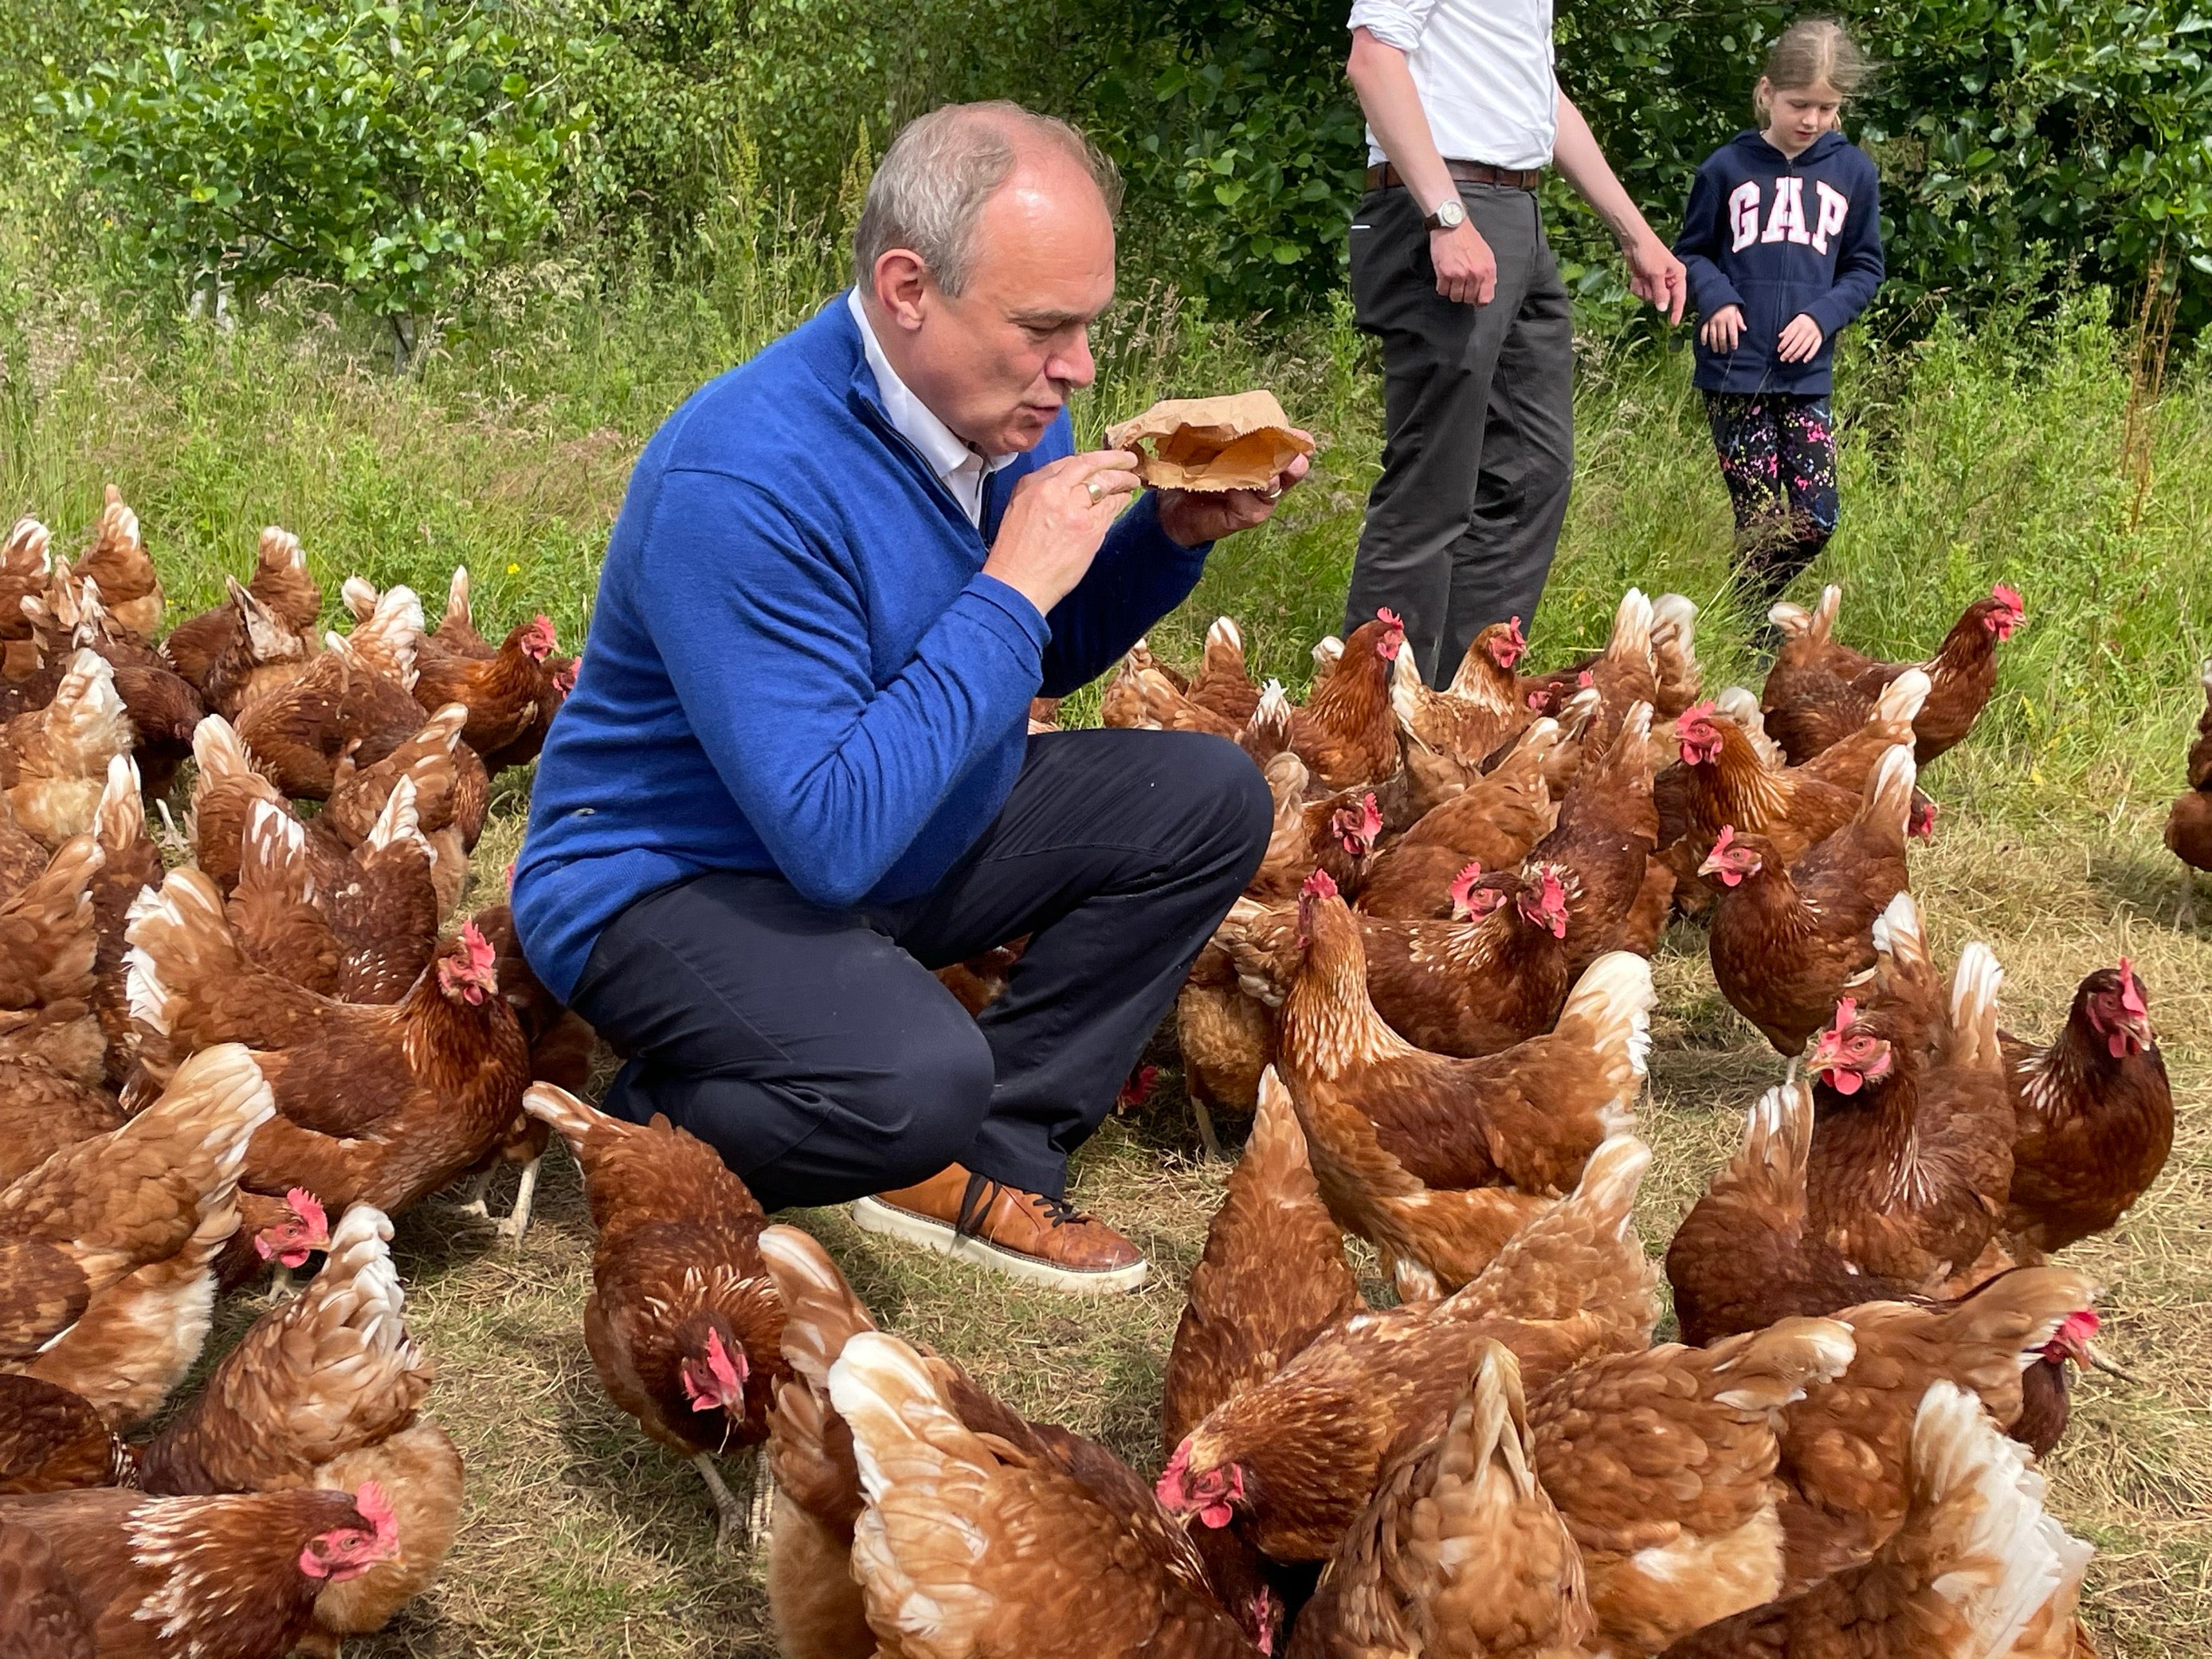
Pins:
x,y
1230,813
928,1103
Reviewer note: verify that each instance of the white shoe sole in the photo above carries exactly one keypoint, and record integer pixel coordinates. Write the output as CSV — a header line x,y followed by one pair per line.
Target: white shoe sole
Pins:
x,y
872,1215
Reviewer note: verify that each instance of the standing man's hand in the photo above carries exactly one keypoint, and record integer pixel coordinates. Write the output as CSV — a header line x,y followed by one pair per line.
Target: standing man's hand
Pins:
x,y
1055,521
1194,516
1656,275
1467,270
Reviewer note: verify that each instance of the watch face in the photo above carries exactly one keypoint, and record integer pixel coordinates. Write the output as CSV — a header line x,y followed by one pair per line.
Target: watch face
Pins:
x,y
1450,214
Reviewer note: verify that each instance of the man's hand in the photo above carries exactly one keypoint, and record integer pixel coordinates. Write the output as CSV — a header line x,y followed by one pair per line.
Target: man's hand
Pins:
x,y
1055,521
1466,270
1724,329
1801,340
1656,275
1191,517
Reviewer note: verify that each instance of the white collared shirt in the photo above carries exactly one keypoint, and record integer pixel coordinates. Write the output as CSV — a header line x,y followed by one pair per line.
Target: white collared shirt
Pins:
x,y
960,469
1483,69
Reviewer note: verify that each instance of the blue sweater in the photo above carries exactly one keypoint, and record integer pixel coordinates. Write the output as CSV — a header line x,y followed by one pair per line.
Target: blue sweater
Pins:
x,y
1779,238
796,663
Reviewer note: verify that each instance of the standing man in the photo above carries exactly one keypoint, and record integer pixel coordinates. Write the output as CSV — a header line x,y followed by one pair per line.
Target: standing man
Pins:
x,y
1451,268
795,776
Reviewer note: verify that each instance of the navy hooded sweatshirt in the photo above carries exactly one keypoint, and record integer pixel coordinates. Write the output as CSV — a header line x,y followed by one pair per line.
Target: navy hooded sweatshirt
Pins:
x,y
797,663
1780,238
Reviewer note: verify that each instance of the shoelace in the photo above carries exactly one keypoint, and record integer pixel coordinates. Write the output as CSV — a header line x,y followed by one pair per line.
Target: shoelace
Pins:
x,y
982,1193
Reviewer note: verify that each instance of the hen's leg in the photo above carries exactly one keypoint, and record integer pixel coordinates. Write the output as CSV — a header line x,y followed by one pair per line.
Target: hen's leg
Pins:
x,y
518,1218
2186,917
479,1185
760,1515
1206,1137
730,1515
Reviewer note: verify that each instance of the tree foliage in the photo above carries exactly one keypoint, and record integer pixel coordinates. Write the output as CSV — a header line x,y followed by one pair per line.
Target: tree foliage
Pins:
x,y
389,150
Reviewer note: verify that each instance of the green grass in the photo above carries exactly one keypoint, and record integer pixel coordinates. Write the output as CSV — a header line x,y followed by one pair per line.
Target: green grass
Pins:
x,y
1969,459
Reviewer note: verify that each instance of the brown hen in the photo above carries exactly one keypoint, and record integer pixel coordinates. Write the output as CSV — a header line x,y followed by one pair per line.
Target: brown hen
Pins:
x,y
1460,1554
236,1576
684,1325
1820,691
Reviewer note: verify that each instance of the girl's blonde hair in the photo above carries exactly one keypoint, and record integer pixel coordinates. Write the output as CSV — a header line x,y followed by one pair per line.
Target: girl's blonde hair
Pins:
x,y
1810,51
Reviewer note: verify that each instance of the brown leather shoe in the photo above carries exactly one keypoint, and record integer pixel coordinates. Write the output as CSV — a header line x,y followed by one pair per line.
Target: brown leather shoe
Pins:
x,y
1045,1241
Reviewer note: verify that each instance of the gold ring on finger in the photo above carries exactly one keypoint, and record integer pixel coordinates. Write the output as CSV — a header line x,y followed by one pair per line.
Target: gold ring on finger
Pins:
x,y
1097,494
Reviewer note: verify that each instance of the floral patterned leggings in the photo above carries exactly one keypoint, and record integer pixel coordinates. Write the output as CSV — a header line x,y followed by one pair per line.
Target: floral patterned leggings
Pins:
x,y
1777,455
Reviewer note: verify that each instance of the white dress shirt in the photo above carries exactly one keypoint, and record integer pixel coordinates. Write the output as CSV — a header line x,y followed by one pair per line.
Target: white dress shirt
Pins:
x,y
1483,69
960,469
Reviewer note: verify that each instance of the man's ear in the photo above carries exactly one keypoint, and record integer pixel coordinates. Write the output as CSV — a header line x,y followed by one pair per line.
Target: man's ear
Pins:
x,y
903,287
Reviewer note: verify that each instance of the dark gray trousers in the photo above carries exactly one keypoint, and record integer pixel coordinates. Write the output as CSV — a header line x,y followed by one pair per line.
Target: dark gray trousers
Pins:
x,y
1479,426
813,1049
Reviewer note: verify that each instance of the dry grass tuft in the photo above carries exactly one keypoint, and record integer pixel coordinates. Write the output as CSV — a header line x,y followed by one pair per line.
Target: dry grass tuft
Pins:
x,y
583,1539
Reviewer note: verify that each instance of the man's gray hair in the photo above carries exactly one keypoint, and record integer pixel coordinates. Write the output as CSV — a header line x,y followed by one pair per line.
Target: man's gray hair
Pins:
x,y
929,190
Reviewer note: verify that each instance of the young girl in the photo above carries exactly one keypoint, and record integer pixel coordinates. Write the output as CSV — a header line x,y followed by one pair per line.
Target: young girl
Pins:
x,y
1782,245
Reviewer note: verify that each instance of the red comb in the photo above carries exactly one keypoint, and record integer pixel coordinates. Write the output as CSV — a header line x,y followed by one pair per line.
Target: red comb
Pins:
x,y
1847,1010
2131,996
1726,835
480,954
2008,596
1319,885
1462,885
309,1208
1389,618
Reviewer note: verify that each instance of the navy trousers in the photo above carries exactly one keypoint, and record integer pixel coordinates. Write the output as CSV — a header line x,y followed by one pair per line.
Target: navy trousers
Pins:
x,y
817,1053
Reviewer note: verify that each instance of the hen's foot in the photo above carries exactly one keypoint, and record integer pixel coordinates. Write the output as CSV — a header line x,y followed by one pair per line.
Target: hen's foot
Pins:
x,y
479,1186
1206,1137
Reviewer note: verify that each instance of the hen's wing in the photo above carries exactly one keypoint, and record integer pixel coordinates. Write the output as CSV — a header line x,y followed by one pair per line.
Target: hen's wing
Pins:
x,y
330,1370
1273,1272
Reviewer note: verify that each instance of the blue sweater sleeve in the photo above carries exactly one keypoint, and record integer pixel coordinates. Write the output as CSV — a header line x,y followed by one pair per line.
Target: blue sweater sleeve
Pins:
x,y
763,634
1140,575
1704,233
1858,262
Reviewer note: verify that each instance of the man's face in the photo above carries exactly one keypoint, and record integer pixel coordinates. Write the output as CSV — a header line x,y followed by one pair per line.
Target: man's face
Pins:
x,y
997,362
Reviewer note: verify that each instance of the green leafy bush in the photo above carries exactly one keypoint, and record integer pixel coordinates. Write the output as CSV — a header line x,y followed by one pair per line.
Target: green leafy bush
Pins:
x,y
387,150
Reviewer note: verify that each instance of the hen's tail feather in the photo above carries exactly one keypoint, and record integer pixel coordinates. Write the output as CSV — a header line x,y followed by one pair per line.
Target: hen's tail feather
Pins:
x,y
821,1313
458,613
399,821
1631,630
359,596
178,936
119,820
273,856
1225,634
1409,692
1674,627
1612,1002
574,1120
219,751
1769,1169
1601,1210
1767,1370
1974,985
1267,730
60,895
1889,792
1976,1534
87,713
1902,699
1898,932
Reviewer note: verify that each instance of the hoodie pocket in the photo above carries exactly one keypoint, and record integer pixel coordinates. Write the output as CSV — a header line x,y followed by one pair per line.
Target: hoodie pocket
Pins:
x,y
1767,308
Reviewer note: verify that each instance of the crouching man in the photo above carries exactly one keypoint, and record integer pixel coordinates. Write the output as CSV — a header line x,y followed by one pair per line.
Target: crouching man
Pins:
x,y
794,776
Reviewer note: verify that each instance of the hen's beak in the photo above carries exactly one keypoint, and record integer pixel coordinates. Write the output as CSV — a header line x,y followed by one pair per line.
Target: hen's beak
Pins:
x,y
2097,1360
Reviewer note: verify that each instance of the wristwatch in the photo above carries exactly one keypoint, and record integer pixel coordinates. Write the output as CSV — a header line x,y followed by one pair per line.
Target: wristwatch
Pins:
x,y
1450,215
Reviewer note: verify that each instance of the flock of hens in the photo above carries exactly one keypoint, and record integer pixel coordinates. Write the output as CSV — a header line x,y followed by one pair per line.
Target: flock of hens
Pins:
x,y
1435,1002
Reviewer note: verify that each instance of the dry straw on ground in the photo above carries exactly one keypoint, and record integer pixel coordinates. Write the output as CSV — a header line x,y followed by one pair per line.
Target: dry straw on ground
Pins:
x,y
582,1539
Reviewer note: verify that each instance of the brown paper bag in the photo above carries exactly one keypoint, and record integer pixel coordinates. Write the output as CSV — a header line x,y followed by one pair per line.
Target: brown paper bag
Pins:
x,y
1212,443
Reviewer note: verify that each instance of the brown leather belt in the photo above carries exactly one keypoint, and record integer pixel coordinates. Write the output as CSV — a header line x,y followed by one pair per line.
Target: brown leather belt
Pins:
x,y
1384,176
